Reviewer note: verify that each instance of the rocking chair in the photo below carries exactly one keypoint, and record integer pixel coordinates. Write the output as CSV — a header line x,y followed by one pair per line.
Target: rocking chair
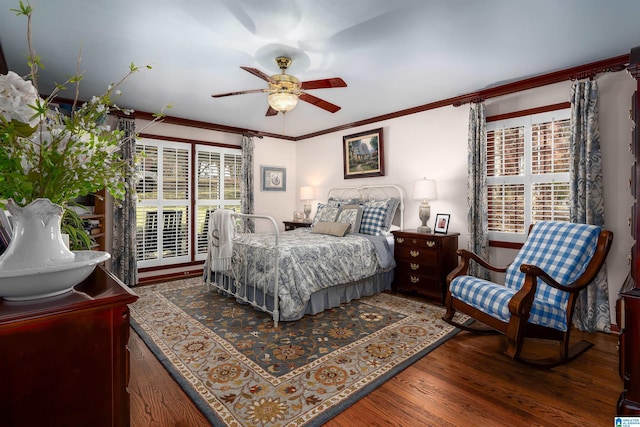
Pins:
x,y
541,286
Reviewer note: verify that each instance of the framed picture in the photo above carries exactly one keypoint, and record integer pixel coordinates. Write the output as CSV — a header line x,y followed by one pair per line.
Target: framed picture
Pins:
x,y
442,223
363,154
274,178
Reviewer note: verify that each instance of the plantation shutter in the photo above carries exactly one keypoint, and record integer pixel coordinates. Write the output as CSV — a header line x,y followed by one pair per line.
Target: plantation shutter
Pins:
x,y
162,185
550,170
527,172
217,186
505,179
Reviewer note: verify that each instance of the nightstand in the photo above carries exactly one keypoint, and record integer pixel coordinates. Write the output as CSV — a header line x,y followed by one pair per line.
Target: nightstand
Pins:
x,y
423,262
292,225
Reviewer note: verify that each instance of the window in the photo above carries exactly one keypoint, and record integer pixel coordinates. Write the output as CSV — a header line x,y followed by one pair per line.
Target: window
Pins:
x,y
527,173
172,216
218,178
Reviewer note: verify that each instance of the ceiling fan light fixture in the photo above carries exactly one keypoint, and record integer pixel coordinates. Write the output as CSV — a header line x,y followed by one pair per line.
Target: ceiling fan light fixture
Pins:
x,y
283,101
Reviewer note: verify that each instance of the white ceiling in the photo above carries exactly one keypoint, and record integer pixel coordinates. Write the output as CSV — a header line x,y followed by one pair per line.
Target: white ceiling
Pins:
x,y
393,54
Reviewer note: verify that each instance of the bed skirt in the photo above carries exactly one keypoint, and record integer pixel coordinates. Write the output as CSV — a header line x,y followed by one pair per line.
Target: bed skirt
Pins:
x,y
329,297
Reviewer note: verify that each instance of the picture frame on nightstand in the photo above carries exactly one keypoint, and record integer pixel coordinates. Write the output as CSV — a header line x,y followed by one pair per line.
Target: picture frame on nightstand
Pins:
x,y
442,224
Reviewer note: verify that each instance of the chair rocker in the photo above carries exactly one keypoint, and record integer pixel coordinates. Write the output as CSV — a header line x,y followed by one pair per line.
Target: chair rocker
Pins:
x,y
555,263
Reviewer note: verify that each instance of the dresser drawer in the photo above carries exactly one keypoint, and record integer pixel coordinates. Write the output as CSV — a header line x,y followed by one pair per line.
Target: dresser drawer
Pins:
x,y
418,268
419,242
421,255
425,285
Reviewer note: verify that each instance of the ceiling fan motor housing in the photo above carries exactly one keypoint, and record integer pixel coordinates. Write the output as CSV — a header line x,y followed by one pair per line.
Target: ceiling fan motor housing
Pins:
x,y
285,83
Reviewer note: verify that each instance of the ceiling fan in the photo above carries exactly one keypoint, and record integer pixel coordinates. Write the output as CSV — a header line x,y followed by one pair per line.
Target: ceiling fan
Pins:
x,y
285,90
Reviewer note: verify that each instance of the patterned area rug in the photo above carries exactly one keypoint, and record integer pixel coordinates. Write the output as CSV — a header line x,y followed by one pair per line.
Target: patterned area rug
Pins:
x,y
241,371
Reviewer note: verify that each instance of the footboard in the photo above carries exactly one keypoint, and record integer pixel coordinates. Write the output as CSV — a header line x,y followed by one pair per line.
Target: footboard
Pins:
x,y
253,276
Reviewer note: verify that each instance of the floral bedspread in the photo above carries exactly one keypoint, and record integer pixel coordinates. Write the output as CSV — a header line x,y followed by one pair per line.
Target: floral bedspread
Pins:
x,y
307,262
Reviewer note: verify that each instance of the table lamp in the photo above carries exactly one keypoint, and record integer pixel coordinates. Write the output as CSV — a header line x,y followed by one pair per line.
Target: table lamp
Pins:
x,y
307,193
424,189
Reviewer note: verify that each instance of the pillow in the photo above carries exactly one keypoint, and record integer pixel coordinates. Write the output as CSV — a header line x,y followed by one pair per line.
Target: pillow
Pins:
x,y
391,205
338,229
338,202
352,215
372,220
325,213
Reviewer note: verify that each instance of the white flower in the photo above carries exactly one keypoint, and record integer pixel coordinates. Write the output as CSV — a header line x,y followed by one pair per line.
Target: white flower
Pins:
x,y
16,95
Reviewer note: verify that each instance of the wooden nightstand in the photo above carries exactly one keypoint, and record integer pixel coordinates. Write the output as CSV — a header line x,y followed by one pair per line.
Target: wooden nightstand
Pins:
x,y
292,225
423,262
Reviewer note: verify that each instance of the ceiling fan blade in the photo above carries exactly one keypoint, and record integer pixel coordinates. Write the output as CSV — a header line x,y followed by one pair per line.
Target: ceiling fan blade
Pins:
x,y
319,102
271,111
323,83
220,95
259,73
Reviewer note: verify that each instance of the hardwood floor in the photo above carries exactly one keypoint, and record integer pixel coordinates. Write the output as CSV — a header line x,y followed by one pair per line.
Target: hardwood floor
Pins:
x,y
465,381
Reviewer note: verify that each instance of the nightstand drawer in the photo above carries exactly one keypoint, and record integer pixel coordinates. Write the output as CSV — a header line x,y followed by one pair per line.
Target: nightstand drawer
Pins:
x,y
411,253
420,242
418,268
424,285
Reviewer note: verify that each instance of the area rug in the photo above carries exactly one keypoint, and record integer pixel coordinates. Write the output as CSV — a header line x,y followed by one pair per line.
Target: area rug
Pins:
x,y
241,371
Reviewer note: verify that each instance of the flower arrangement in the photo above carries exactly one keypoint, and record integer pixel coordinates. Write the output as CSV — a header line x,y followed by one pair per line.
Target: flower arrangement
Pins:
x,y
45,153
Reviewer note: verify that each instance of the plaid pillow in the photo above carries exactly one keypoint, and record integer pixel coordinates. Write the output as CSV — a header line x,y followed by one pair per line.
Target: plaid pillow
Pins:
x,y
372,220
390,205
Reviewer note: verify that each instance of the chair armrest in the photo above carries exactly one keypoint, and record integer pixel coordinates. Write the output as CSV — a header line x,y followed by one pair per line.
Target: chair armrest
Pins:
x,y
465,254
463,266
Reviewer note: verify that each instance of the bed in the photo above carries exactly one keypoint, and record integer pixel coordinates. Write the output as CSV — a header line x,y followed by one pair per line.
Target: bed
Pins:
x,y
346,254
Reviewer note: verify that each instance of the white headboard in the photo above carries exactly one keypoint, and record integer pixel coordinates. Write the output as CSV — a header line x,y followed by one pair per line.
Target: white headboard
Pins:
x,y
372,192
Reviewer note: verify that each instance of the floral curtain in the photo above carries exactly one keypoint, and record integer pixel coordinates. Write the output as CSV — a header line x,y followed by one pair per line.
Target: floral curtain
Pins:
x,y
246,198
586,198
477,189
123,252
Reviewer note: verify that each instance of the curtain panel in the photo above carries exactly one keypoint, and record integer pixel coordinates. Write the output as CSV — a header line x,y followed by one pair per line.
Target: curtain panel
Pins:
x,y
477,189
586,198
123,251
247,196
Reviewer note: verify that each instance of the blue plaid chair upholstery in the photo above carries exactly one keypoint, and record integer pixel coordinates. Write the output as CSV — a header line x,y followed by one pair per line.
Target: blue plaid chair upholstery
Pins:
x,y
562,251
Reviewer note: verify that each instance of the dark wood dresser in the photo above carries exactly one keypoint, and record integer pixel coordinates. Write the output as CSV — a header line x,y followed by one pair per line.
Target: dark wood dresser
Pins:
x,y
628,306
423,262
64,360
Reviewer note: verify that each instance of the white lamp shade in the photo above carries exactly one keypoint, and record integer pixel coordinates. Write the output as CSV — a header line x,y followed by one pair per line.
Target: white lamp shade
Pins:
x,y
307,193
424,189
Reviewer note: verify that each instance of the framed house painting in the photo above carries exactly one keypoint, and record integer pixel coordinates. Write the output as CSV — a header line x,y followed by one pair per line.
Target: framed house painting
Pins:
x,y
363,154
274,178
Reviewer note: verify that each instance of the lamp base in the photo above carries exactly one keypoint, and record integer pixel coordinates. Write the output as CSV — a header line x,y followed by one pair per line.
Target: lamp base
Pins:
x,y
424,229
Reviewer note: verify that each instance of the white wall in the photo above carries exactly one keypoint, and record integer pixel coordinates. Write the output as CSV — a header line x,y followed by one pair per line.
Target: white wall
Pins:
x,y
432,144
278,204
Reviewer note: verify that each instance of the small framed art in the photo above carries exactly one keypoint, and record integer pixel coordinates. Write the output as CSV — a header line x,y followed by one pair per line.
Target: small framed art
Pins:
x,y
363,154
274,178
442,223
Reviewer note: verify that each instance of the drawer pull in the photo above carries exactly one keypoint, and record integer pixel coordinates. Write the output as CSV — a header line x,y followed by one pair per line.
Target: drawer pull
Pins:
x,y
413,266
431,243
414,253
414,279
400,239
